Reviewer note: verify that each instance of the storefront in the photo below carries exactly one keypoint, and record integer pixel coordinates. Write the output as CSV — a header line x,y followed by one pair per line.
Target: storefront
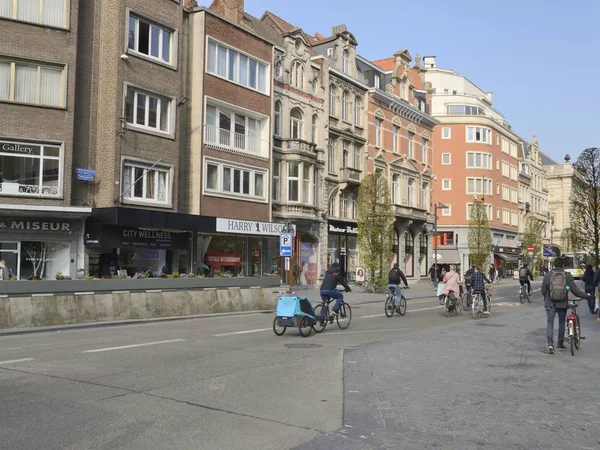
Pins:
x,y
41,248
506,259
342,247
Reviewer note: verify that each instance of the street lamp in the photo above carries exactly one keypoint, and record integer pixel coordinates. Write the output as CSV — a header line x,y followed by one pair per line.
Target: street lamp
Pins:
x,y
435,255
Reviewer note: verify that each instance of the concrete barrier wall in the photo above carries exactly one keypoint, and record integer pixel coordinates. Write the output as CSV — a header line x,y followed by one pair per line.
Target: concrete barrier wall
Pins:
x,y
35,311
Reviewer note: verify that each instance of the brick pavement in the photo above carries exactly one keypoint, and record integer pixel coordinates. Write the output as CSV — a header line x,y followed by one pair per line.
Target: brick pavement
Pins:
x,y
484,384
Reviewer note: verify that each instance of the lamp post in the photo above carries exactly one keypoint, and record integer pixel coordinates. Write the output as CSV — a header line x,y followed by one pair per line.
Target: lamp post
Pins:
x,y
435,255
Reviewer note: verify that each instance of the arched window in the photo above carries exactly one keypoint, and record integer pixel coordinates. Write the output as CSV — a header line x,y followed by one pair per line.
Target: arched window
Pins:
x,y
278,69
357,109
277,121
345,105
297,75
346,61
332,100
315,121
296,124
332,206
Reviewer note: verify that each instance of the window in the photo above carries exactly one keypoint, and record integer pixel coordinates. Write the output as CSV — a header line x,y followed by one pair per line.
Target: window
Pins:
x,y
447,211
445,238
315,125
54,13
505,169
296,123
465,110
357,110
30,169
148,111
497,163
446,158
488,210
497,213
425,195
346,61
356,156
505,146
278,71
234,131
238,181
395,188
478,160
24,82
331,157
411,145
144,183
378,131
514,173
236,67
411,192
306,169
424,150
297,75
276,181
332,206
481,186
506,216
446,133
345,105
505,193
446,184
395,135
150,40
514,196
377,81
332,100
513,150
348,206
479,134
345,154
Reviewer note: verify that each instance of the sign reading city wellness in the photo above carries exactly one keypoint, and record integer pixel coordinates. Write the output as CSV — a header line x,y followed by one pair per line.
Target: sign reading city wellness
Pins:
x,y
237,226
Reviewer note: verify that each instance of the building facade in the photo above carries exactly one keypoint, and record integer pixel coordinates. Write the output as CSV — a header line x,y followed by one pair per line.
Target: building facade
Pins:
x,y
400,147
41,215
476,160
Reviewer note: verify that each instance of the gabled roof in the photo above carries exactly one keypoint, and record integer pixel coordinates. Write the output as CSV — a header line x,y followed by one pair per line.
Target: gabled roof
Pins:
x,y
546,160
385,64
264,29
278,22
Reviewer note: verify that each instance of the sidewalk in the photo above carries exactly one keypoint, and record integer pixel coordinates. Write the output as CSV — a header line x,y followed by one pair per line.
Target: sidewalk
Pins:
x,y
484,384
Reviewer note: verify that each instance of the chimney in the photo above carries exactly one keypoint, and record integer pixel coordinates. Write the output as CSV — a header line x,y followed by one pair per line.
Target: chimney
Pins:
x,y
429,62
338,29
230,9
489,96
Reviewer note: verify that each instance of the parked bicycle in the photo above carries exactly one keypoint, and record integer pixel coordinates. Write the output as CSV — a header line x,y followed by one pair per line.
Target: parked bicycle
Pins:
x,y
573,327
525,294
324,315
390,303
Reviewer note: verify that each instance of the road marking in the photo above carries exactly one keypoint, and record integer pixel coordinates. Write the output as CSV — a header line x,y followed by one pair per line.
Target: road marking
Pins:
x,y
407,311
133,346
13,361
241,332
366,331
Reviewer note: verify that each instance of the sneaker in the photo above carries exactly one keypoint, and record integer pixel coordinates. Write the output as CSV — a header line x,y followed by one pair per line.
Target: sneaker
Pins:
x,y
551,349
581,336
486,313
561,347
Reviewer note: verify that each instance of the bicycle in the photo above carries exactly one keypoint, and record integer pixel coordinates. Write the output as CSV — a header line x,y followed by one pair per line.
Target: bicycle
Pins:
x,y
453,304
573,327
467,297
477,307
390,303
524,295
324,316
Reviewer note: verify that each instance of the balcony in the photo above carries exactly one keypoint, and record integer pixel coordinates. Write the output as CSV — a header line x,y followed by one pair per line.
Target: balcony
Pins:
x,y
229,141
299,146
295,211
411,212
350,175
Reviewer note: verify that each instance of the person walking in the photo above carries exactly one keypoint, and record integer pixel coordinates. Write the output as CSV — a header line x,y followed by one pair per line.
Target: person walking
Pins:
x,y
433,274
554,290
492,273
588,280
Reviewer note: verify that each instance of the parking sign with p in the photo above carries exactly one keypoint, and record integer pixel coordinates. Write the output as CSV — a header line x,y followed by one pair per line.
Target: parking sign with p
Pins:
x,y
285,244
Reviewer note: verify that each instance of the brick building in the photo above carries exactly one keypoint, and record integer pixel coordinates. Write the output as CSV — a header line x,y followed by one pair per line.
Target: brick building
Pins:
x,y
476,159
41,219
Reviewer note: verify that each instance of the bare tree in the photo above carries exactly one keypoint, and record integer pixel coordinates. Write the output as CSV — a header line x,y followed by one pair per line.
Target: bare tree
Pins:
x,y
38,258
585,203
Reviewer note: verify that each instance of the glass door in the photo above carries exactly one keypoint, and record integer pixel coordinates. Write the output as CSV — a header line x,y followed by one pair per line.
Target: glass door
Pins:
x,y
9,252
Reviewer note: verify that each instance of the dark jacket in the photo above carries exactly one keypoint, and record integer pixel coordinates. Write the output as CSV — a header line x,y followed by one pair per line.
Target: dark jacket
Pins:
x,y
588,280
478,281
395,276
597,277
525,275
333,277
572,286
468,276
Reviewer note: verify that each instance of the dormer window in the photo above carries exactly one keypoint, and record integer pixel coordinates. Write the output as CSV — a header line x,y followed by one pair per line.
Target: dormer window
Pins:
x,y
346,61
297,75
377,81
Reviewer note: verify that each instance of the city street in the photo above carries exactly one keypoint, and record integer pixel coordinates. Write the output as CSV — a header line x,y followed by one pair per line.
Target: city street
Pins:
x,y
229,382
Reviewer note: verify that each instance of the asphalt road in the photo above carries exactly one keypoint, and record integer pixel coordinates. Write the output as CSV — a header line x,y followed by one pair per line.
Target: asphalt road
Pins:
x,y
214,383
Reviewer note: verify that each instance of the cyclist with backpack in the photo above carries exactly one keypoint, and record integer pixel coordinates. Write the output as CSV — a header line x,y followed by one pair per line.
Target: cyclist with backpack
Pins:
x,y
524,276
554,290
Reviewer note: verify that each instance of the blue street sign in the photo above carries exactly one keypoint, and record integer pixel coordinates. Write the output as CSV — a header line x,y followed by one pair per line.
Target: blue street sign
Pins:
x,y
85,174
285,244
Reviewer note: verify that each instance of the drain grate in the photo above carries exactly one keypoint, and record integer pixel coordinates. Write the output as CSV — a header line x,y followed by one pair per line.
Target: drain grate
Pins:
x,y
495,325
302,345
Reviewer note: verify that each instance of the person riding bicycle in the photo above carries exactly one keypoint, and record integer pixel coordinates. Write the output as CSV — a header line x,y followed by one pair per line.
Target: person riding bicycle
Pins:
x,y
478,281
394,278
333,277
524,276
554,290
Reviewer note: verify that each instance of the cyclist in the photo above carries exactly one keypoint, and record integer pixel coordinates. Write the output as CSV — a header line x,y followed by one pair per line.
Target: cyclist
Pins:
x,y
333,277
524,276
394,278
478,281
554,290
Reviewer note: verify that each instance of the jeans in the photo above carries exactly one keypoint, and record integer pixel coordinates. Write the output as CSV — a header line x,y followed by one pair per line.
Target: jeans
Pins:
x,y
397,291
551,311
526,282
591,299
333,293
483,297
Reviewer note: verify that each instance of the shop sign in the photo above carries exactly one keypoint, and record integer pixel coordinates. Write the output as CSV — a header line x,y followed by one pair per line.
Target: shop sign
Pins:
x,y
342,229
237,226
111,236
24,149
224,259
28,225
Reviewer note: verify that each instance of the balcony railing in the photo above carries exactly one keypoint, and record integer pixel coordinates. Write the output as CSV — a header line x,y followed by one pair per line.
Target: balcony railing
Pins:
x,y
300,145
236,142
407,211
349,175
295,210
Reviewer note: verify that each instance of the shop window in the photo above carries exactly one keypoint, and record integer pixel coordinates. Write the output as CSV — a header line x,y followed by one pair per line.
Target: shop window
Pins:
x,y
445,238
43,260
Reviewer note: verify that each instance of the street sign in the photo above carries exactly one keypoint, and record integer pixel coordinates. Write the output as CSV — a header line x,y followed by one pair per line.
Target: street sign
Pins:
x,y
530,249
85,174
287,263
285,244
531,254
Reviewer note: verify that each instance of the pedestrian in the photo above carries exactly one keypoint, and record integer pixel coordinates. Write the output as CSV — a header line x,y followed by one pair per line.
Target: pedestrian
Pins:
x,y
433,274
4,274
500,273
492,273
555,292
588,280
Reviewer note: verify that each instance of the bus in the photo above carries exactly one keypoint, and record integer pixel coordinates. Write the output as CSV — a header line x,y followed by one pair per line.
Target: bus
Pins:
x,y
575,263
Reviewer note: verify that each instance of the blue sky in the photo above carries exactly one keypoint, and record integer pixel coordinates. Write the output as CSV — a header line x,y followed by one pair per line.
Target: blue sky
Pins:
x,y
540,58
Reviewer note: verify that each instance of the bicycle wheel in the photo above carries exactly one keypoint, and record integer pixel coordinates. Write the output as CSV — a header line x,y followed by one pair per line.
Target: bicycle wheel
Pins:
x,y
466,302
402,308
321,323
344,317
521,297
572,340
390,307
476,308
305,328
577,334
278,329
447,309
459,306
530,298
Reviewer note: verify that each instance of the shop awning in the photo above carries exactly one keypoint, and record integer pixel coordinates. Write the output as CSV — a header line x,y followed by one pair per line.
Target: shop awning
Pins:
x,y
448,256
549,253
506,257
